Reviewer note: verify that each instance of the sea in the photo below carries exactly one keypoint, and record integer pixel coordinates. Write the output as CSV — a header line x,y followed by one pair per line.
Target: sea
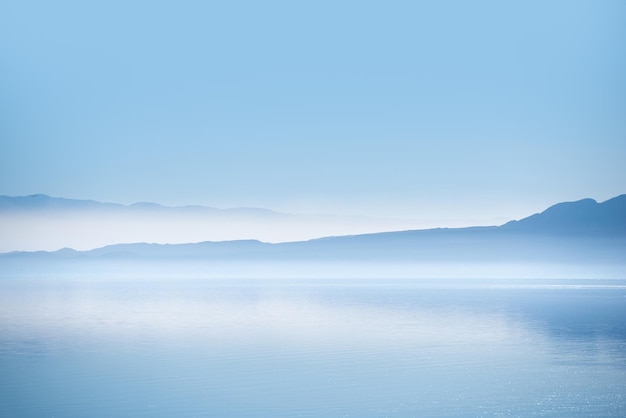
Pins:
x,y
178,347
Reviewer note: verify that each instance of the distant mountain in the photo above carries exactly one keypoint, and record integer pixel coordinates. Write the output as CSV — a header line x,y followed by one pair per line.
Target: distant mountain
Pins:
x,y
41,222
586,217
572,232
45,203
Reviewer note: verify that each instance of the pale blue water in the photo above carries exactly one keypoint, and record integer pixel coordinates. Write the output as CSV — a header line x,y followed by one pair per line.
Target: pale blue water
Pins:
x,y
376,348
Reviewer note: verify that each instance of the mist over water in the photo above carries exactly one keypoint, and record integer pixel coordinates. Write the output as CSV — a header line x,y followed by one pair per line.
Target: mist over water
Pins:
x,y
123,266
525,319
88,229
285,348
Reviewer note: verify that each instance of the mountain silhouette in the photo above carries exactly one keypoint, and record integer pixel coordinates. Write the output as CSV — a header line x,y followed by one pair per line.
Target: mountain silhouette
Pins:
x,y
41,222
570,232
583,217
43,202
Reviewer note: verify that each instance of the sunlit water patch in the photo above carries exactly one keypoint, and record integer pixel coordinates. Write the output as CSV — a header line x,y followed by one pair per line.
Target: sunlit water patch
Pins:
x,y
312,348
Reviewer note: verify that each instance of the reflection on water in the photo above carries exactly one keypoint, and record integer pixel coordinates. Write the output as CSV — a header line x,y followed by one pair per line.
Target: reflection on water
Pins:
x,y
282,348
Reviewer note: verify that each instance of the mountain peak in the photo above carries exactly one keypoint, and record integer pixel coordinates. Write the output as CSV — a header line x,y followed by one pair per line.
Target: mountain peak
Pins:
x,y
585,216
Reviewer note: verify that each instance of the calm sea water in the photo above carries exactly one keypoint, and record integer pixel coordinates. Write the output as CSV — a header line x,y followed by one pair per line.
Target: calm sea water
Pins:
x,y
349,348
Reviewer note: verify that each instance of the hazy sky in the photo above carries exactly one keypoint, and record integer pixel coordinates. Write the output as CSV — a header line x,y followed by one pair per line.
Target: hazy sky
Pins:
x,y
454,111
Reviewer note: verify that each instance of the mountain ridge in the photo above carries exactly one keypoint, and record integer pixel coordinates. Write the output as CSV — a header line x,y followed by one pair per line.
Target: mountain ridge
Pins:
x,y
582,216
41,201
583,229
40,222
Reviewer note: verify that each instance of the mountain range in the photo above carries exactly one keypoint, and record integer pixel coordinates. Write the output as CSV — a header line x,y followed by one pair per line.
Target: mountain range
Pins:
x,y
578,232
41,222
43,203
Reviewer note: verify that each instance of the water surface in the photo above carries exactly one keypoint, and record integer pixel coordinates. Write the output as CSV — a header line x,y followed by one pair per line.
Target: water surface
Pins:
x,y
312,348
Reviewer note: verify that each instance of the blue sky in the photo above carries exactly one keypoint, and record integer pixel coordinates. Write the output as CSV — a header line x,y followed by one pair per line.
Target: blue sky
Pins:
x,y
454,111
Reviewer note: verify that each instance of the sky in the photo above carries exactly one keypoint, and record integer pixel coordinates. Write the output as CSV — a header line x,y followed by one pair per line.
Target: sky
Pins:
x,y
453,112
